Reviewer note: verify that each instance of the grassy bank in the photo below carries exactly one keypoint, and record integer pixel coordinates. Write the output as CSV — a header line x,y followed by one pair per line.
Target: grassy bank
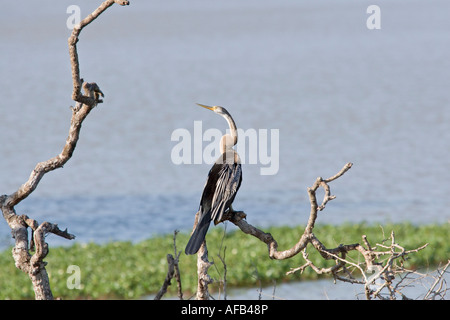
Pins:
x,y
126,270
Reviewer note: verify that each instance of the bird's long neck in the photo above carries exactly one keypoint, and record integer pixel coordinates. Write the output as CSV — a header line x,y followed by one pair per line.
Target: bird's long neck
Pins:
x,y
233,129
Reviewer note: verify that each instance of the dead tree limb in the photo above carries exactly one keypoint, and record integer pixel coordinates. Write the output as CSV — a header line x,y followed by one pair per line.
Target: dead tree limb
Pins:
x,y
238,218
203,265
34,265
169,276
173,271
204,280
177,267
440,292
383,272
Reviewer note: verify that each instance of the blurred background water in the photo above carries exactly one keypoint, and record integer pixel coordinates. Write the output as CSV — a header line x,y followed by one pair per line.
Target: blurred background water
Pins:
x,y
337,91
413,286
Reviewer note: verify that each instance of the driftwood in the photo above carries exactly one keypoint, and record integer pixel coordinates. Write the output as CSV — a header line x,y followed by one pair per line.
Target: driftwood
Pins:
x,y
33,264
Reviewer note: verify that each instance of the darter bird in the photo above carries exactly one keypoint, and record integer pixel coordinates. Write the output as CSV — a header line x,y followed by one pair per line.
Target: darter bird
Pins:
x,y
222,184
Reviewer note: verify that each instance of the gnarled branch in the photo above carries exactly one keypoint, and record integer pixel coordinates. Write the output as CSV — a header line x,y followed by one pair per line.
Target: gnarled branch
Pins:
x,y
238,218
34,265
383,271
73,39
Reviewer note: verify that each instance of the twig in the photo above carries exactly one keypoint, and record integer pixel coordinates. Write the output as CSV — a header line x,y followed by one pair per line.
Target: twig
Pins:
x,y
176,264
439,279
222,259
224,281
173,271
169,276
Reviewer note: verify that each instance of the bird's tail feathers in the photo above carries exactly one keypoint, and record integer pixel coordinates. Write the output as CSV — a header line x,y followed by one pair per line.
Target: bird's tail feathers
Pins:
x,y
197,238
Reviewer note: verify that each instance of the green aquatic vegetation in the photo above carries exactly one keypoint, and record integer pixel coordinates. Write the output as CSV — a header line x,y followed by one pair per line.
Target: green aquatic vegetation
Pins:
x,y
127,270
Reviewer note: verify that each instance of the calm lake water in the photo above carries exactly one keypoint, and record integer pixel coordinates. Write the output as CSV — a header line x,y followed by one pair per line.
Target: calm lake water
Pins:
x,y
336,91
417,287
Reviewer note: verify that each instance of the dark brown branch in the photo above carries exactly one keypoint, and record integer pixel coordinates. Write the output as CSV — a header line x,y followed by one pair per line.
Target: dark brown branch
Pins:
x,y
173,271
177,268
170,274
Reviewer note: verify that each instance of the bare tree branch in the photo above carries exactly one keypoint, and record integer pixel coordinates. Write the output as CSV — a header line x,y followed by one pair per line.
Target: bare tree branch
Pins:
x,y
225,270
170,274
73,39
173,271
177,268
432,293
204,280
237,218
383,271
34,265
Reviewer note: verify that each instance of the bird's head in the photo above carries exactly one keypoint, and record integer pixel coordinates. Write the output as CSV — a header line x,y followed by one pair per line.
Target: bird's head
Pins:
x,y
224,113
216,109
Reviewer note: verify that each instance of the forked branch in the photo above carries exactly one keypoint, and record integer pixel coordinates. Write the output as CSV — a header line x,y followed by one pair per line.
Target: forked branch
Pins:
x,y
376,275
34,264
238,218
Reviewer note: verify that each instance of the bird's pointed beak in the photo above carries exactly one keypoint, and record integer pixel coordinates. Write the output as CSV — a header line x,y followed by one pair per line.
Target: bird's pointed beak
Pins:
x,y
207,107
